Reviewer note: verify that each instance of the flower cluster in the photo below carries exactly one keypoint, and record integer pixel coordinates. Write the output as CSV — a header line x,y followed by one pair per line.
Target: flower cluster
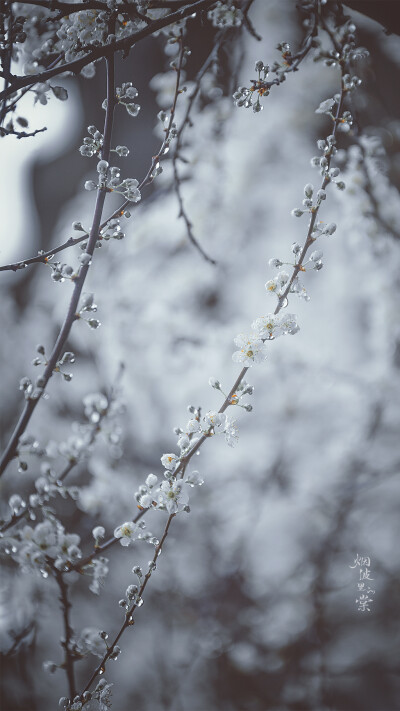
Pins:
x,y
45,546
329,106
271,326
92,144
110,179
101,694
252,350
124,96
252,347
130,531
170,495
89,28
225,14
259,87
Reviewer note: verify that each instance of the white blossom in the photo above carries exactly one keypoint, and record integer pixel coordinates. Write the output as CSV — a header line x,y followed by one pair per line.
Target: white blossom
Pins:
x,y
169,461
173,496
127,533
252,350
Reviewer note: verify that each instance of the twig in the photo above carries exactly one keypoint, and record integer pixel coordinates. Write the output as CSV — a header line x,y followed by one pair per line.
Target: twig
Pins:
x,y
129,621
69,658
177,181
6,62
247,22
182,213
20,134
368,189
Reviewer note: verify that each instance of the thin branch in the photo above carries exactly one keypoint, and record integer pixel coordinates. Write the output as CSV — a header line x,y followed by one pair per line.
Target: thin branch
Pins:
x,y
20,637
247,22
129,621
20,134
43,257
69,658
375,212
6,62
107,51
79,282
68,8
177,180
182,213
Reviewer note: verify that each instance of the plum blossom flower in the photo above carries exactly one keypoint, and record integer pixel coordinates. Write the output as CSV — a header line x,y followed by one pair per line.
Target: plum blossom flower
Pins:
x,y
326,106
169,461
231,431
127,533
192,426
252,350
194,479
91,642
272,326
173,496
213,422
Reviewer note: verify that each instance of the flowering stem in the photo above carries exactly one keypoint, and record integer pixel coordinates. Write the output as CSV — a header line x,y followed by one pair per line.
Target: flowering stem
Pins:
x,y
177,181
79,282
308,242
310,239
128,622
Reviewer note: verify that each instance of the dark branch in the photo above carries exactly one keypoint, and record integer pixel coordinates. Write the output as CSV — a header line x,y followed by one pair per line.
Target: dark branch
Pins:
x,y
108,51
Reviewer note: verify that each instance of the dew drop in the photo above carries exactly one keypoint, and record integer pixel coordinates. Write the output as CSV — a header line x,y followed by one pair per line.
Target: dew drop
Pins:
x,y
131,621
284,303
101,670
139,602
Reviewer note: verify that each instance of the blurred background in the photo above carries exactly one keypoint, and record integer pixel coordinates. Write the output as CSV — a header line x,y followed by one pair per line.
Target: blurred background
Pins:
x,y
253,605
